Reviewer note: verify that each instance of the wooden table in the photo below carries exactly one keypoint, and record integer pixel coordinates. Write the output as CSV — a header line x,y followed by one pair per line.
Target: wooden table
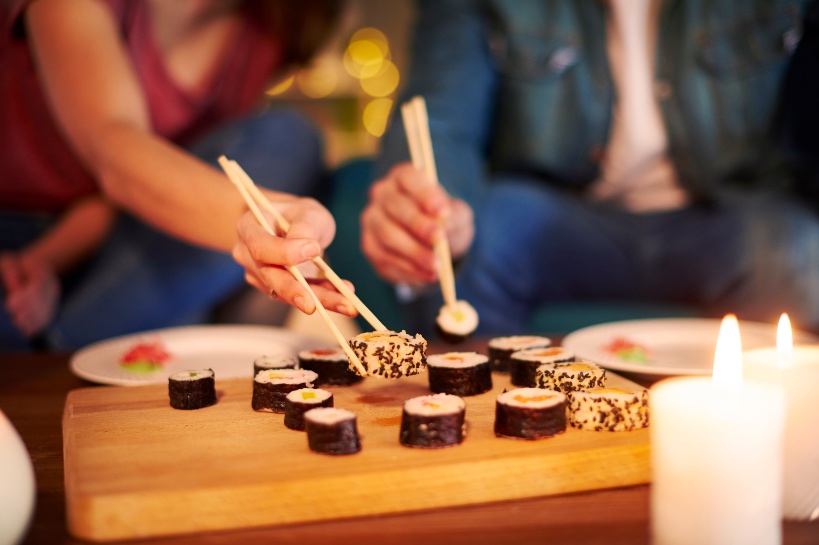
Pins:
x,y
33,389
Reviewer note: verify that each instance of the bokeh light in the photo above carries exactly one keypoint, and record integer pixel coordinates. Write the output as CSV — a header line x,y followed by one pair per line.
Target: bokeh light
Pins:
x,y
384,83
318,80
375,116
282,86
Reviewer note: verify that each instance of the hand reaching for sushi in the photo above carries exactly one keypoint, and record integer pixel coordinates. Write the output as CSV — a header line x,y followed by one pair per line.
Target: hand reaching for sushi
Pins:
x,y
401,221
32,291
265,256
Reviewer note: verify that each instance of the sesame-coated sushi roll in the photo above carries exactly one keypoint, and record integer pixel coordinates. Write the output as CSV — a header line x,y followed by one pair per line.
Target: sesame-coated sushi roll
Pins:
x,y
570,376
390,354
264,363
298,402
456,322
270,387
193,389
331,365
530,413
459,373
524,363
502,348
608,409
433,421
331,430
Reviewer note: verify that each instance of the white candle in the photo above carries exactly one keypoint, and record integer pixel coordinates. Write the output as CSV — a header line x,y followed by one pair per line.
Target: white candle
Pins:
x,y
796,369
716,454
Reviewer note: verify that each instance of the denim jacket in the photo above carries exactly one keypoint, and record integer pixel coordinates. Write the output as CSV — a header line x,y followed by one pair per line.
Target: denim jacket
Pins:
x,y
524,86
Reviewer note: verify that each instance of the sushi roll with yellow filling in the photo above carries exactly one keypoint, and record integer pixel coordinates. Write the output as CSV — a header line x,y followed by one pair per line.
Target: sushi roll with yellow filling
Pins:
x,y
192,389
270,387
608,409
524,363
331,430
298,402
502,348
456,322
530,413
433,421
331,365
459,373
571,376
264,363
390,354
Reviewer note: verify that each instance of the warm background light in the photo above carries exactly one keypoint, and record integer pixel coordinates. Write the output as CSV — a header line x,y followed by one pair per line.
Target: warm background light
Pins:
x,y
282,86
728,355
376,114
784,341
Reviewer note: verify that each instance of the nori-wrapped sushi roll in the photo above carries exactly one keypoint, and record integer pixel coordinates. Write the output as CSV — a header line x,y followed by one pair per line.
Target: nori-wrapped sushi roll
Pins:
x,y
331,365
331,430
264,363
270,387
459,373
456,322
192,389
501,349
530,413
433,421
524,363
298,402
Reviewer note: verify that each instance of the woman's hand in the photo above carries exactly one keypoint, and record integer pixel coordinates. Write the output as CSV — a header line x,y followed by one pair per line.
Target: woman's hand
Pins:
x,y
265,256
399,225
32,291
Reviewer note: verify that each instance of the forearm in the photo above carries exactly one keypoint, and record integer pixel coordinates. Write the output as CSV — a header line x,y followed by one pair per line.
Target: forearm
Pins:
x,y
77,234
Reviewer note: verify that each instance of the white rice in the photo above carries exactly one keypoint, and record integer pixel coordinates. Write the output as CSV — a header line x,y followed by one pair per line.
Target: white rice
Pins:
x,y
434,405
286,376
328,415
192,374
534,398
456,360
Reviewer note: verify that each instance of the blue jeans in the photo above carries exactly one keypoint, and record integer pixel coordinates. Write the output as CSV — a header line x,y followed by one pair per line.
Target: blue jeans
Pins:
x,y
756,255
143,279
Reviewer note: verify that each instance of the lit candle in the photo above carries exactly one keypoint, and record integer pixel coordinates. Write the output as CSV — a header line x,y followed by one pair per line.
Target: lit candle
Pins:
x,y
796,369
716,454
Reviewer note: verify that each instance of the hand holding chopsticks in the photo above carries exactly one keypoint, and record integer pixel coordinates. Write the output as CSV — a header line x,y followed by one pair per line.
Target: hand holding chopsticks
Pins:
x,y
251,194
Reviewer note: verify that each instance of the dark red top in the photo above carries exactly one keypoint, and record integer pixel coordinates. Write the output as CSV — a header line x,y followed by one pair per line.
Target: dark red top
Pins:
x,y
38,170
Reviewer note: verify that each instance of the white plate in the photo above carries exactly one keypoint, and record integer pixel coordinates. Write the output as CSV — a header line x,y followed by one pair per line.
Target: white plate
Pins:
x,y
227,349
672,346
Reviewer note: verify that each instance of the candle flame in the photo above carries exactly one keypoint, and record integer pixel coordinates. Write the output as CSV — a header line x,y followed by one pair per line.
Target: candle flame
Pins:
x,y
784,341
728,356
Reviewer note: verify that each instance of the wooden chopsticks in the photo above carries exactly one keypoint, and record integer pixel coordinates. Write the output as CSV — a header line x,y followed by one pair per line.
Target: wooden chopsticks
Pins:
x,y
416,126
250,193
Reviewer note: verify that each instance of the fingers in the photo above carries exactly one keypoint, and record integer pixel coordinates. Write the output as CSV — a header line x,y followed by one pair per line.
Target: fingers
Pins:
x,y
265,248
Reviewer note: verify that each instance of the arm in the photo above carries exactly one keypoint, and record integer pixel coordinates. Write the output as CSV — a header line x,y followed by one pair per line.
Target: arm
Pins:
x,y
98,103
451,70
31,277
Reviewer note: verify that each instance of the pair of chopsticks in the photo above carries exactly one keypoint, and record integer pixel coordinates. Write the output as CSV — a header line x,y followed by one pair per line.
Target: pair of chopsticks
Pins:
x,y
416,126
255,198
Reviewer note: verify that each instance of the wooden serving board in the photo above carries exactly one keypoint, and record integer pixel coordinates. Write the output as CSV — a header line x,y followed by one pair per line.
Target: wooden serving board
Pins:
x,y
135,467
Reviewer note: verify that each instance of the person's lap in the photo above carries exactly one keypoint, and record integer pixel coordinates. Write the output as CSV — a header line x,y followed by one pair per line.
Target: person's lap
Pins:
x,y
753,255
143,279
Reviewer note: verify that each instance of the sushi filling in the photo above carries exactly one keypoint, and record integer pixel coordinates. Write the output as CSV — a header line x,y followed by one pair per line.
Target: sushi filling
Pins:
x,y
390,354
192,389
434,421
332,430
530,413
270,387
459,373
457,321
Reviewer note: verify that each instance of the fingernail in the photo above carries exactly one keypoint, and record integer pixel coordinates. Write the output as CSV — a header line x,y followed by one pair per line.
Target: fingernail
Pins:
x,y
301,303
310,251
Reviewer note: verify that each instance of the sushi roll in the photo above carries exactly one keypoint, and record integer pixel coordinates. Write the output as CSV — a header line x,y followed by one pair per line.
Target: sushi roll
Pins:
x,y
270,387
264,363
298,402
331,430
459,373
530,413
433,421
456,322
389,354
524,363
608,409
192,389
571,376
331,365
502,348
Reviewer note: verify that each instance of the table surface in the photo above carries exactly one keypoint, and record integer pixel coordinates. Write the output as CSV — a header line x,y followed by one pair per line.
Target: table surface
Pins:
x,y
33,388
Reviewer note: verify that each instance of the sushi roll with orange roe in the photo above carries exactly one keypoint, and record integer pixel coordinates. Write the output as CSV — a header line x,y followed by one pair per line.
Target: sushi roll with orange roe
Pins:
x,y
459,373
